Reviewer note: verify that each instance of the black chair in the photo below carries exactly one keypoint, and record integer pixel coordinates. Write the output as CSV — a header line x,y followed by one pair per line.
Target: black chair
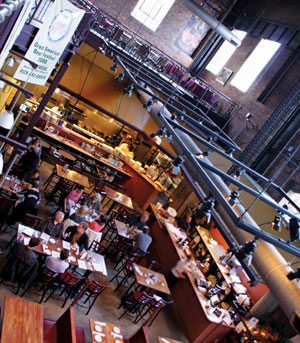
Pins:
x,y
6,205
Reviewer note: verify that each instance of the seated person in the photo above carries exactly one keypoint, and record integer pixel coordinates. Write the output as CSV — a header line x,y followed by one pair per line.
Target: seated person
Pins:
x,y
77,236
94,203
79,216
31,159
53,226
27,203
98,224
22,263
58,264
184,223
138,221
32,175
142,240
73,197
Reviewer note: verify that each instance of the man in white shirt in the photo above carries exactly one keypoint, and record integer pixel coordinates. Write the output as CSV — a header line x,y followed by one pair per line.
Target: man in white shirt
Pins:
x,y
179,270
58,264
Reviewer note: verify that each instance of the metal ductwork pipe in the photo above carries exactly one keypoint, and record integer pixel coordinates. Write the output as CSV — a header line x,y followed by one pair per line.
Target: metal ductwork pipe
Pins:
x,y
269,263
8,8
214,23
265,304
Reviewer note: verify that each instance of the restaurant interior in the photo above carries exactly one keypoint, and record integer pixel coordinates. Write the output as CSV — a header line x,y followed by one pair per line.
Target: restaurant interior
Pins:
x,y
138,117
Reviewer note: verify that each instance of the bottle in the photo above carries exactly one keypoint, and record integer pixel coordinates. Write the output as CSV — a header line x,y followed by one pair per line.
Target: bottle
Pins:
x,y
65,167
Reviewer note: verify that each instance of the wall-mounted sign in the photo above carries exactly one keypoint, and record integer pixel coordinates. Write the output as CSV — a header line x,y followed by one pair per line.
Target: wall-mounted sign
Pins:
x,y
59,24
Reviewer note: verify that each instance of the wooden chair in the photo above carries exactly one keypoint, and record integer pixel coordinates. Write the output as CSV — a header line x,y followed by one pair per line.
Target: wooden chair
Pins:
x,y
63,330
98,248
5,206
31,221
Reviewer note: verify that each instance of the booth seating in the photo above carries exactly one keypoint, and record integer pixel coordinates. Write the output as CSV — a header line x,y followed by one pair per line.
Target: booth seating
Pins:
x,y
140,336
63,330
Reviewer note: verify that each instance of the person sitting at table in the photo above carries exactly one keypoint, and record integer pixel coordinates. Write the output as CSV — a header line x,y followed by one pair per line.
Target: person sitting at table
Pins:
x,y
73,197
53,226
27,203
98,224
94,203
184,223
58,264
31,159
80,216
32,175
22,264
138,221
77,236
142,240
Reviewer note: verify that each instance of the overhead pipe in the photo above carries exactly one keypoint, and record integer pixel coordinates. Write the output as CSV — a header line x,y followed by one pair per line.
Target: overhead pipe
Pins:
x,y
269,263
211,21
7,8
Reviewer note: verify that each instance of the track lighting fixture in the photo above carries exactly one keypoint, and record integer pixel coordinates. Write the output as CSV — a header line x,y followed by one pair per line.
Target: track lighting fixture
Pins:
x,y
148,104
204,209
230,151
238,173
246,250
120,77
128,90
203,154
114,68
294,275
294,230
157,136
276,223
173,116
234,196
177,163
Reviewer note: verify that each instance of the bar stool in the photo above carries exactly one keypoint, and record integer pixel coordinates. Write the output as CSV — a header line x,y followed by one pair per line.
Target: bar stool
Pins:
x,y
69,284
93,290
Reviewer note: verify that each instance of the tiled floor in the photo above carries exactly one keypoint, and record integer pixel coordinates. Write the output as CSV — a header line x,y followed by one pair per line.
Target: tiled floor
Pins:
x,y
167,324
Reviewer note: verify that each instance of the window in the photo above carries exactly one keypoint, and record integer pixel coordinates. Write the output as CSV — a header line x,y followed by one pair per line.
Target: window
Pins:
x,y
254,64
225,51
151,12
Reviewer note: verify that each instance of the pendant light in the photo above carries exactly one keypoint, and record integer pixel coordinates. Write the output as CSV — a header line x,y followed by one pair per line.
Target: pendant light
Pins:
x,y
7,119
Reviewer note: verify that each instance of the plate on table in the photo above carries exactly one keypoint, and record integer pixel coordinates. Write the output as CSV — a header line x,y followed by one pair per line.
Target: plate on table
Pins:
x,y
118,341
72,258
74,248
52,240
47,251
98,338
98,328
116,329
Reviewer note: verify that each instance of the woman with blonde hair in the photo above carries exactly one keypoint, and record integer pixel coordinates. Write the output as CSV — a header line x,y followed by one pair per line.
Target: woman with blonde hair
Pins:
x,y
79,216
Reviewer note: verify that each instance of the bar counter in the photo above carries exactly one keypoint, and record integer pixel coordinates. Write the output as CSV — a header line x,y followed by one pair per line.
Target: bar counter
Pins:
x,y
200,325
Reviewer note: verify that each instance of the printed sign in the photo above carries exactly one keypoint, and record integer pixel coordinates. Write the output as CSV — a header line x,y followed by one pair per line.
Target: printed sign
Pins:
x,y
59,25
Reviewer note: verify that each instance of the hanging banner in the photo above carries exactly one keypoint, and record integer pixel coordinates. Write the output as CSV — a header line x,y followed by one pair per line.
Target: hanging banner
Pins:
x,y
59,24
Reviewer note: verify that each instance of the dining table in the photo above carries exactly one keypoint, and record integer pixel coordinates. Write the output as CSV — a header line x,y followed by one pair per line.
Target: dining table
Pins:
x,y
22,321
125,231
150,279
117,198
12,185
167,340
50,246
72,175
102,332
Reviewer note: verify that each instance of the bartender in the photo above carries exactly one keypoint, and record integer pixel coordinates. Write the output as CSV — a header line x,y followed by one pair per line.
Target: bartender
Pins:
x,y
59,109
126,148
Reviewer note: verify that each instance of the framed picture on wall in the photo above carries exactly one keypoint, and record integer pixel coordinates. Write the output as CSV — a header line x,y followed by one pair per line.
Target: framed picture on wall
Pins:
x,y
224,76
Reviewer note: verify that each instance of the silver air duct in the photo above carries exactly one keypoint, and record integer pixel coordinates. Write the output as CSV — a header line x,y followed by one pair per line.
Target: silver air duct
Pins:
x,y
269,263
212,22
8,8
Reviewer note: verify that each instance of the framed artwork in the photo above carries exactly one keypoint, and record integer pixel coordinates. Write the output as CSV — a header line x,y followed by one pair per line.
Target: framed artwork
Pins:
x,y
224,76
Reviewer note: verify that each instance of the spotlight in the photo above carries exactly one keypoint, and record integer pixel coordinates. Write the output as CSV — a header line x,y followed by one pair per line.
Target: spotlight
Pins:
x,y
157,136
294,230
246,250
209,139
148,104
114,68
205,209
230,151
173,116
294,275
120,77
234,196
10,61
177,163
203,154
128,90
238,173
276,223
168,138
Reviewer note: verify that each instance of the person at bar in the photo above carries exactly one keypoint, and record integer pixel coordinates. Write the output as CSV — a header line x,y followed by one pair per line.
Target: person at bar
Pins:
x,y
77,236
127,148
184,223
31,159
58,264
94,203
179,270
53,226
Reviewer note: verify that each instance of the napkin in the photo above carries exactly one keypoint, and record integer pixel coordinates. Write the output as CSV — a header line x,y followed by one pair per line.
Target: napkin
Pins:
x,y
81,264
55,253
28,231
45,237
66,245
98,267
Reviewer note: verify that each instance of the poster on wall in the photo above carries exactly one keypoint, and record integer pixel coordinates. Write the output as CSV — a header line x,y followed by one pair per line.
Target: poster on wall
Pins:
x,y
191,35
59,24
